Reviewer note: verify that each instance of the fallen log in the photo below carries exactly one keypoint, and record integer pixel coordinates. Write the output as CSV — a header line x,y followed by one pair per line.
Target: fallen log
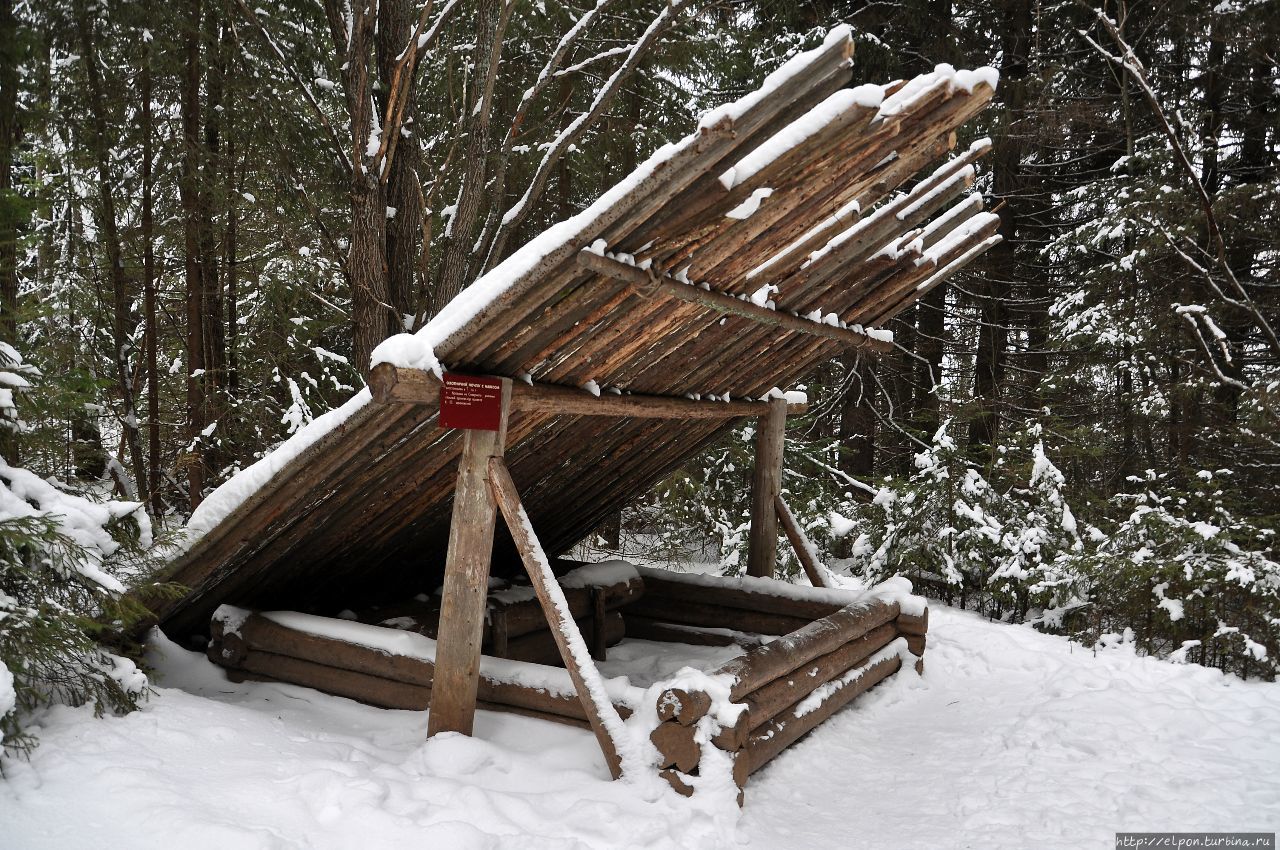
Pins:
x,y
770,700
788,727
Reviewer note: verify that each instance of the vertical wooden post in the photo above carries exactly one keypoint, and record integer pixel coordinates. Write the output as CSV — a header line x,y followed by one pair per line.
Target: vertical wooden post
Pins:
x,y
466,581
766,485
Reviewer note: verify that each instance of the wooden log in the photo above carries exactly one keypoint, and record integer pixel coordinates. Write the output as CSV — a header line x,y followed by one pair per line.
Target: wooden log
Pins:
x,y
540,647
766,485
912,624
767,702
733,738
726,595
563,628
915,643
726,304
599,639
676,780
395,385
676,746
760,666
370,690
682,705
697,613
804,550
524,616
261,633
362,687
786,728
466,579
647,628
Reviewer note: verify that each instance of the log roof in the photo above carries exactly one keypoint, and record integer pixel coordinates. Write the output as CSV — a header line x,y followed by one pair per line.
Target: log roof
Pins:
x,y
821,207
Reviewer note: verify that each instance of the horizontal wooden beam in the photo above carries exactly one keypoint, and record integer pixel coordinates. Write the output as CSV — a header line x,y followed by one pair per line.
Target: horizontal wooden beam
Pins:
x,y
640,280
390,384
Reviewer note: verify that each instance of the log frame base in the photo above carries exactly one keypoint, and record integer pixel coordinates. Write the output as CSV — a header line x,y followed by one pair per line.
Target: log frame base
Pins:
x,y
785,687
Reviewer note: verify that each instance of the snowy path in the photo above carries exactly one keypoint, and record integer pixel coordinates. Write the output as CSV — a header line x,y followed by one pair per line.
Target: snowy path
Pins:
x,y
1013,740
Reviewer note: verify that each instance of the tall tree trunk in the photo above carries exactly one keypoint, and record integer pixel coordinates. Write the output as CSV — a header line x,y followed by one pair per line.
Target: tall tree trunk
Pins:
x,y
217,46
858,417
991,359
10,132
403,190
121,330
156,505
189,192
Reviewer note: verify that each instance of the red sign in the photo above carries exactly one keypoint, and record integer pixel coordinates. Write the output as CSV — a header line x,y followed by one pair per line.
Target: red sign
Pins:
x,y
470,402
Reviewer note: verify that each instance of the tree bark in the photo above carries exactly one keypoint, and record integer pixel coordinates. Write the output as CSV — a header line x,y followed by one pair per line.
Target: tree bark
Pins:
x,y
121,330
156,505
188,190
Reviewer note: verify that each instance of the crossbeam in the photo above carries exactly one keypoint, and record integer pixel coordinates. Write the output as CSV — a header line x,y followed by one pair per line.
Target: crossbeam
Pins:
x,y
391,384
642,281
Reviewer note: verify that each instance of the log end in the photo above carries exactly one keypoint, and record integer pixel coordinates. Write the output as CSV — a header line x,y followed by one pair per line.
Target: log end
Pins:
x,y
685,707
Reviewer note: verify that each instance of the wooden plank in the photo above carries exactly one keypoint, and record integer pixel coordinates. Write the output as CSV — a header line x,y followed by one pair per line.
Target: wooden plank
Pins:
x,y
728,304
804,550
466,580
563,628
416,386
766,486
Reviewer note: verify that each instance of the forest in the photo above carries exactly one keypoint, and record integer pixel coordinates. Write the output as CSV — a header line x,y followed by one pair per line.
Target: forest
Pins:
x,y
211,213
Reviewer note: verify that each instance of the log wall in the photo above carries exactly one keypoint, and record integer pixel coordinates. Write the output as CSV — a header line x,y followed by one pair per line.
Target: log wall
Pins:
x,y
781,687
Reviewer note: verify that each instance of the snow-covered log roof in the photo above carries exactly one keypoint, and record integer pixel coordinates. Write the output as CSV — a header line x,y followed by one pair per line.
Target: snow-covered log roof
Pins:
x,y
840,206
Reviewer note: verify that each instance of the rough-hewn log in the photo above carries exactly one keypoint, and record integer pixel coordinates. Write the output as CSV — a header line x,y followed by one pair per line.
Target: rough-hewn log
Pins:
x,y
390,384
676,746
540,647
466,579
915,643
804,550
549,594
787,728
912,624
641,280
523,616
263,634
694,612
767,702
722,594
363,687
647,628
758,667
766,485
683,705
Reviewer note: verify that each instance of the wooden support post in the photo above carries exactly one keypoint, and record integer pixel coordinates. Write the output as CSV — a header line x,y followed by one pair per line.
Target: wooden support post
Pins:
x,y
766,485
805,552
466,581
600,714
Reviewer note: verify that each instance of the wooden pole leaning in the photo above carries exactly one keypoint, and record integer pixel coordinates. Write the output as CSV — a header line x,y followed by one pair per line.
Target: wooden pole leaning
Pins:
x,y
551,595
804,550
466,580
766,486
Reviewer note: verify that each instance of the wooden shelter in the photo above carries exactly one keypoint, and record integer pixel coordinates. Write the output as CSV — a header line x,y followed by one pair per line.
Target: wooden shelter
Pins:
x,y
788,228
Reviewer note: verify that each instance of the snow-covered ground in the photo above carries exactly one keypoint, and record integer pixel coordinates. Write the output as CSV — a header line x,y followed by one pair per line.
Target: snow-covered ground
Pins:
x,y
1013,739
